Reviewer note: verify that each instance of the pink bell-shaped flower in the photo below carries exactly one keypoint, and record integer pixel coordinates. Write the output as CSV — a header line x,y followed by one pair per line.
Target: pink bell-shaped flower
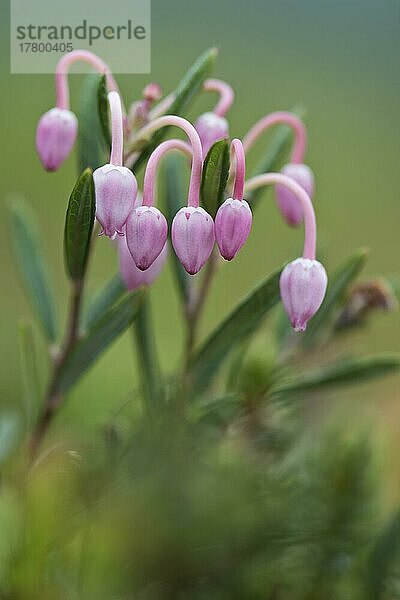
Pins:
x,y
303,285
55,137
232,226
133,277
146,234
116,190
193,237
211,128
288,203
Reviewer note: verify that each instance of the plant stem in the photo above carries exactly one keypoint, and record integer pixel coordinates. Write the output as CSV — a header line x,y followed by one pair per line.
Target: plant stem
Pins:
x,y
54,397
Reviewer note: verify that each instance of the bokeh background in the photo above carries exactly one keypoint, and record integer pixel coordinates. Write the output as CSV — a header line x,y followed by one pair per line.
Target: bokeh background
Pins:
x,y
341,60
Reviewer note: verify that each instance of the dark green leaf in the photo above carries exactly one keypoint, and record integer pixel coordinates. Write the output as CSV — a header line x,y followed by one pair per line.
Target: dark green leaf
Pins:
x,y
149,367
350,371
218,411
188,87
215,176
30,380
79,223
28,252
98,339
175,198
10,433
338,284
104,300
275,156
91,147
383,556
243,321
102,106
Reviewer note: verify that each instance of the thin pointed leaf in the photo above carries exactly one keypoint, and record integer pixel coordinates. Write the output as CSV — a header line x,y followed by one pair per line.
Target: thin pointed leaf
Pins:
x,y
98,339
32,265
30,379
382,558
91,147
79,223
243,321
338,284
346,372
104,300
174,199
188,87
215,176
102,107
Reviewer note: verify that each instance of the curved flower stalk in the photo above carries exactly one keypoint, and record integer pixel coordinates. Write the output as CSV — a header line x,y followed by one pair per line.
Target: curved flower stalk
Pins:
x,y
296,169
146,227
303,281
213,126
57,128
234,218
115,185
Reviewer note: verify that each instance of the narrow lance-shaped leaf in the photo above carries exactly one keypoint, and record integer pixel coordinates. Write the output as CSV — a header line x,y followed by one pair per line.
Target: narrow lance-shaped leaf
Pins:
x,y
215,176
91,146
102,107
338,284
383,558
188,87
79,223
98,339
243,321
30,379
104,300
29,255
174,199
345,372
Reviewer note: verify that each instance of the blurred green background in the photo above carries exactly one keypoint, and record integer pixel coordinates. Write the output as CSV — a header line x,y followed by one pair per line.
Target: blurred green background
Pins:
x,y
341,60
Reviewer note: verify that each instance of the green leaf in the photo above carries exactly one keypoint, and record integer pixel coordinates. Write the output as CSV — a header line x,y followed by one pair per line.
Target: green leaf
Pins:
x,y
338,284
215,176
91,147
242,322
30,379
217,411
98,339
10,433
149,367
187,89
104,300
275,156
383,557
28,252
102,107
174,199
344,372
79,223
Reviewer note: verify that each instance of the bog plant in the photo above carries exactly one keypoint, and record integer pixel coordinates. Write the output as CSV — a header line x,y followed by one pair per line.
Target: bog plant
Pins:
x,y
207,487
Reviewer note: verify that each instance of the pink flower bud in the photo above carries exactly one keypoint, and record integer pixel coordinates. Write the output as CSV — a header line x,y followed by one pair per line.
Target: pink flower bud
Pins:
x,y
55,136
232,226
116,190
146,234
133,277
303,285
211,128
288,204
193,237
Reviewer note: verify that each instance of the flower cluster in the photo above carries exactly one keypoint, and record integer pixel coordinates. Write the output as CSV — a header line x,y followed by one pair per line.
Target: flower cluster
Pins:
x,y
139,228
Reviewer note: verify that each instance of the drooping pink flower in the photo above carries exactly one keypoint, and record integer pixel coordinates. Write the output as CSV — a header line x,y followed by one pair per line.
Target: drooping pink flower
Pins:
x,y
55,137
288,203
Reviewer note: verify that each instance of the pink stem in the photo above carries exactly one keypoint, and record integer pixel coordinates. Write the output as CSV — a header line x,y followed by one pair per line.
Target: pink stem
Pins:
x,y
310,228
197,162
285,118
62,69
117,135
225,92
150,174
237,153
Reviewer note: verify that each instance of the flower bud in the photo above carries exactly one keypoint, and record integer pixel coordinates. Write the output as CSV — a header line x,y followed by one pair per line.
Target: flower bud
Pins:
x,y
116,190
211,128
303,285
133,277
55,136
288,203
146,234
232,226
193,237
